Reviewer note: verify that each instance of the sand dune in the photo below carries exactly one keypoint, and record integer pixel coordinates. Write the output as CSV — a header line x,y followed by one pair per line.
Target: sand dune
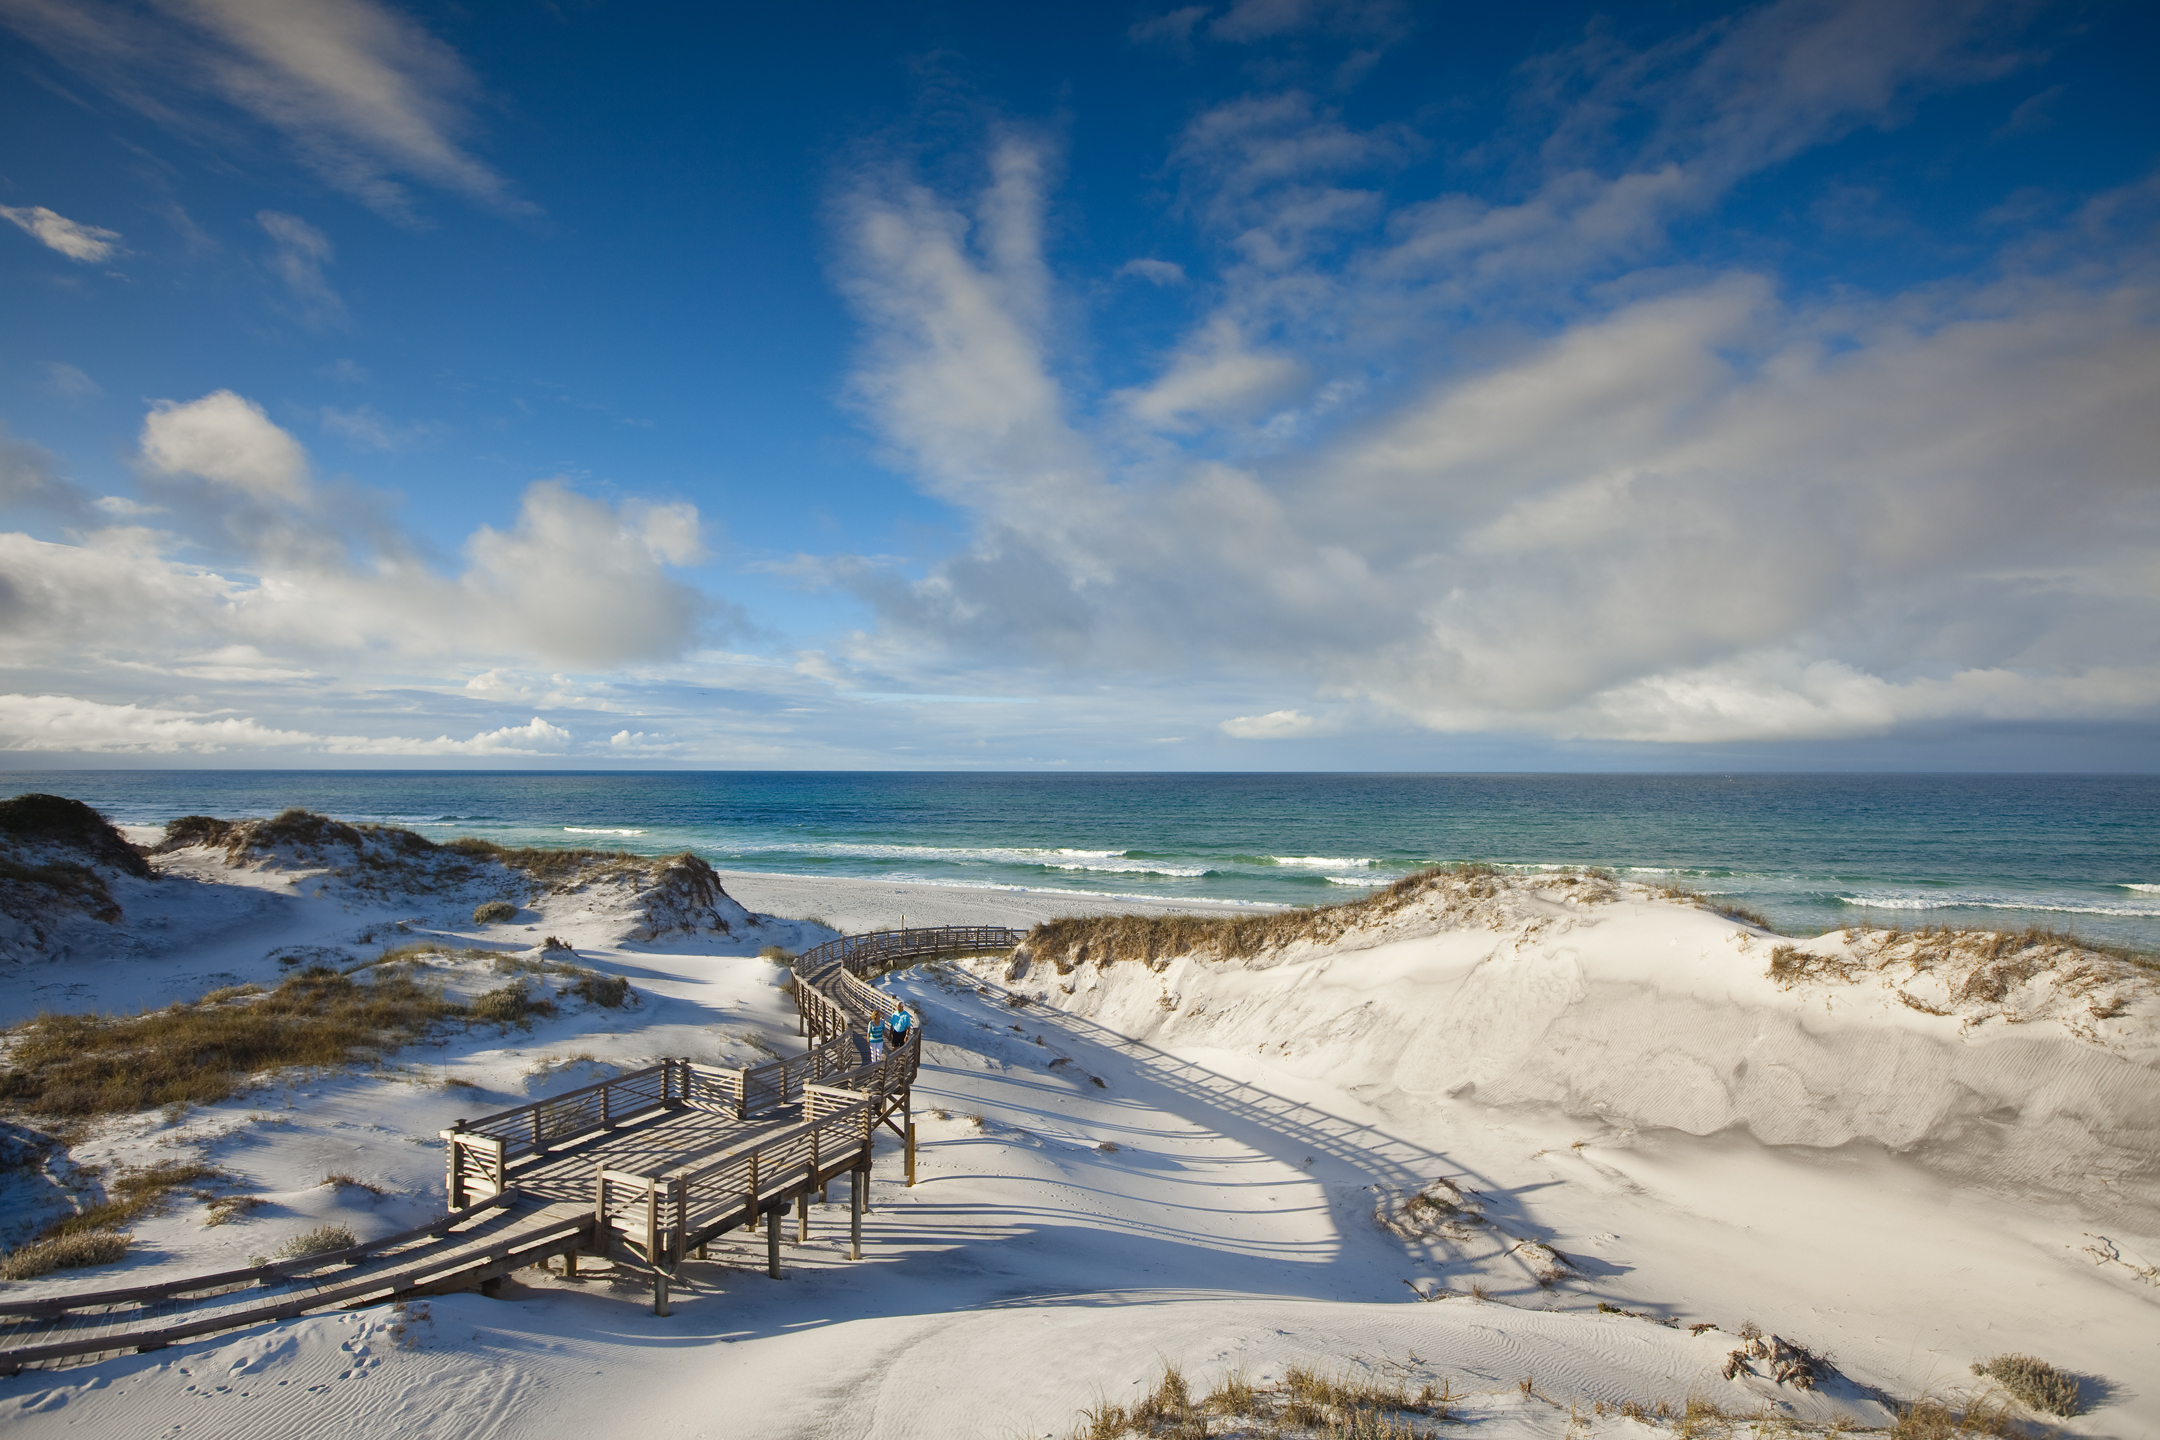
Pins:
x,y
1321,1153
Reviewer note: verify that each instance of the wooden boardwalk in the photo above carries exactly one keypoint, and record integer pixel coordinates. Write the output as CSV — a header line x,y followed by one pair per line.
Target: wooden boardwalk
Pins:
x,y
643,1168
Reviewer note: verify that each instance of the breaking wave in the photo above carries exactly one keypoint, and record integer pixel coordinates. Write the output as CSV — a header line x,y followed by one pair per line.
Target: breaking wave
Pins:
x,y
2038,904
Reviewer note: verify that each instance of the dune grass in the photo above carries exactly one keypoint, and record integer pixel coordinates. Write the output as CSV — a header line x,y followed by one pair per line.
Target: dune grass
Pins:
x,y
97,1234
319,1241
1107,939
1340,1405
1075,939
69,1252
85,1065
2034,1382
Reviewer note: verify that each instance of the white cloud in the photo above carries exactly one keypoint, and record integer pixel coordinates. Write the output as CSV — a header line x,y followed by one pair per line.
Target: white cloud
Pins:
x,y
1155,272
67,725
1215,374
1275,725
68,382
298,254
226,439
573,581
85,243
1686,507
365,425
366,96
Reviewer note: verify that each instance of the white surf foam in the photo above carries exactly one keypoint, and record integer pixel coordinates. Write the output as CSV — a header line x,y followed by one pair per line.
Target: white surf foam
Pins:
x,y
1321,862
1111,862
2039,904
597,830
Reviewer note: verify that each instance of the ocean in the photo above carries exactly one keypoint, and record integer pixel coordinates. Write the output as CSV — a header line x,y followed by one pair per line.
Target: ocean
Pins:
x,y
1811,852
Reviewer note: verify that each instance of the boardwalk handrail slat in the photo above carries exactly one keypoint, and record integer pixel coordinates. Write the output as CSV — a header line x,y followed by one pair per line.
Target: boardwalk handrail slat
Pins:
x,y
273,1270
288,1307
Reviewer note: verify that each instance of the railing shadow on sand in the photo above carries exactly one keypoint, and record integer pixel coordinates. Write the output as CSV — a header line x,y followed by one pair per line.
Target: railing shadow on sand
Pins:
x,y
1270,1123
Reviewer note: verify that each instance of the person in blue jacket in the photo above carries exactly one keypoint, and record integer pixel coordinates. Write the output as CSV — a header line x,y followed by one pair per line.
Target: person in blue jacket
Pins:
x,y
898,1025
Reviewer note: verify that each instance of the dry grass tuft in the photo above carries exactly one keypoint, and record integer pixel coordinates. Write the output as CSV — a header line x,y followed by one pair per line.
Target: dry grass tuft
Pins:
x,y
1340,1406
227,1208
2035,1383
339,1180
490,912
320,1241
83,1065
1932,1420
512,1004
68,1252
607,991
132,1196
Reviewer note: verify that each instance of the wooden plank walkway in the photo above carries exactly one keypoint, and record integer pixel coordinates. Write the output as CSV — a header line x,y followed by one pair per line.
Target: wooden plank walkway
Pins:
x,y
649,1165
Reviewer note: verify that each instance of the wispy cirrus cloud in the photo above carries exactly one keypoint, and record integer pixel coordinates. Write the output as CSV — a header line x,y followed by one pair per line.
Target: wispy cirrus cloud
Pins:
x,y
299,253
365,95
87,244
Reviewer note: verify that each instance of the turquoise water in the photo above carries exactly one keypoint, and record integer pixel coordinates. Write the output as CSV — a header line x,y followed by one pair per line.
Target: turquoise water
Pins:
x,y
1813,852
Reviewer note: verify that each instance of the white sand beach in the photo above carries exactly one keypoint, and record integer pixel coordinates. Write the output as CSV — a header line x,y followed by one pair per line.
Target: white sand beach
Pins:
x,y
1554,1144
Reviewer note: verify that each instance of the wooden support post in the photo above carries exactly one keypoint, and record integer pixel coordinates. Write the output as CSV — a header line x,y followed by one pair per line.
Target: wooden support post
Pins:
x,y
855,1199
569,1265
755,1198
772,1245
701,1252
802,1215
456,1187
911,1148
599,1209
652,1225
660,1292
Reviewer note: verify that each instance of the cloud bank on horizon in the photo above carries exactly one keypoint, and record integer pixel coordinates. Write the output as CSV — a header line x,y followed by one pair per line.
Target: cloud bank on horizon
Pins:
x,y
1777,387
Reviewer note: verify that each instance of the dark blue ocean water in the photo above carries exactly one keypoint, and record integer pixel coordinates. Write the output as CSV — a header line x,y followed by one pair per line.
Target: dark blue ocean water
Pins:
x,y
1813,852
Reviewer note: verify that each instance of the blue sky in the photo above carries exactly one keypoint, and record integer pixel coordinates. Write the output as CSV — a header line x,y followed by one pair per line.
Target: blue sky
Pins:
x,y
1256,385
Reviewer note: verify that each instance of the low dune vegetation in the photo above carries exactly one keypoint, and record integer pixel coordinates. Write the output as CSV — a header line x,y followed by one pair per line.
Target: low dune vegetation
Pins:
x,y
366,847
54,854
96,1234
1347,1404
200,1053
2034,1382
1107,939
216,1047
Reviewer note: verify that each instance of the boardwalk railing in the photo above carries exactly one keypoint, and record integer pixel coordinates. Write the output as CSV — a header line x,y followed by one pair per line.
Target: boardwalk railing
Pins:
x,y
880,950
835,1003
665,1214
736,1179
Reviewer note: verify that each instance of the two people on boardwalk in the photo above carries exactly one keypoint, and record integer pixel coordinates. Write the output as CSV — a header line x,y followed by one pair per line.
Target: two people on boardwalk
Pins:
x,y
893,1028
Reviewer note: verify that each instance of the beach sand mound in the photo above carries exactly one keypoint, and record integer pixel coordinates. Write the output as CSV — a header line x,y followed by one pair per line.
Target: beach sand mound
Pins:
x,y
2028,1066
61,864
651,897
